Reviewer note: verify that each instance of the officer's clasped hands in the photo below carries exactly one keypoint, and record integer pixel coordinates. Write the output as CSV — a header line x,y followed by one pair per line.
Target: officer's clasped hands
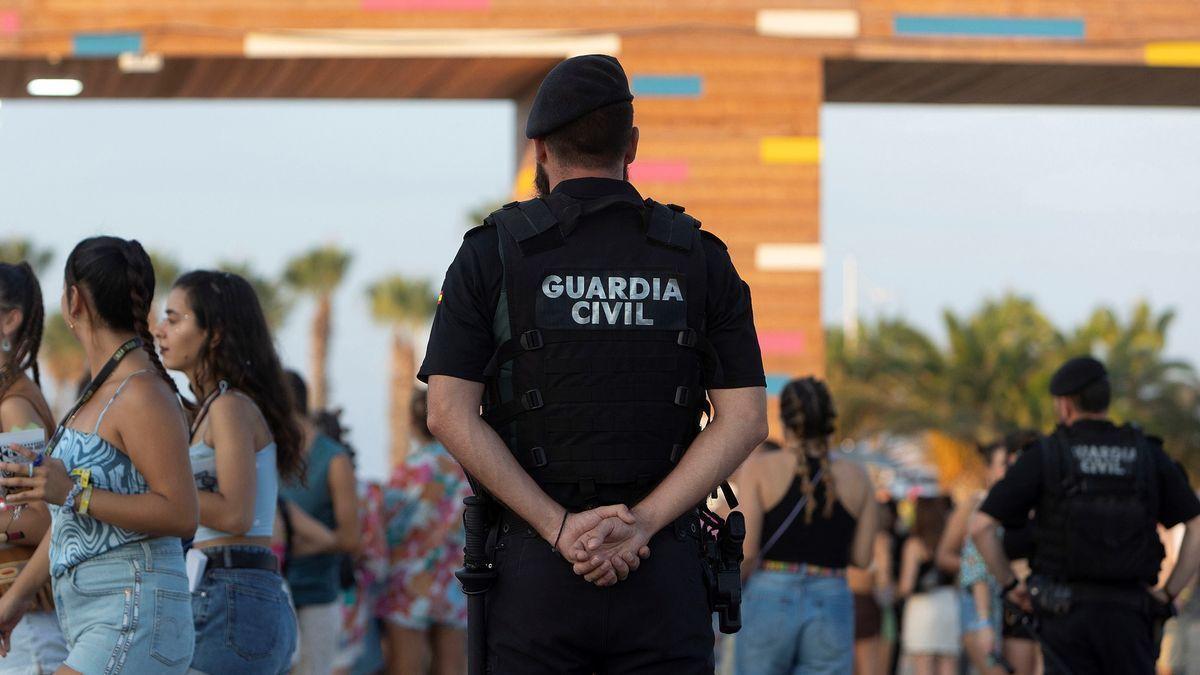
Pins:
x,y
604,545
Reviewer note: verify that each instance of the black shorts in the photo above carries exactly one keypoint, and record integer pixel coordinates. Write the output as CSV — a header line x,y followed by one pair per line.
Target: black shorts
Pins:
x,y
542,618
868,617
1100,639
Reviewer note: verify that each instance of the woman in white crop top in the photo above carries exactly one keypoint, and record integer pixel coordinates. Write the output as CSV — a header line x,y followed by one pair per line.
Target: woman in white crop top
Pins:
x,y
243,439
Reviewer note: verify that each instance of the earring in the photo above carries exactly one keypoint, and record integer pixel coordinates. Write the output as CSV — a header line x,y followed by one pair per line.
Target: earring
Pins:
x,y
6,346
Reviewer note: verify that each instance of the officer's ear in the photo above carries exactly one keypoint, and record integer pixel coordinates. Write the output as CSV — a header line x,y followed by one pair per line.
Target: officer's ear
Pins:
x,y
539,151
631,151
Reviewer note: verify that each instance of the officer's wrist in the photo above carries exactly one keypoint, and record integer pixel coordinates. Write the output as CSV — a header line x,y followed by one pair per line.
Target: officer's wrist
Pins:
x,y
647,518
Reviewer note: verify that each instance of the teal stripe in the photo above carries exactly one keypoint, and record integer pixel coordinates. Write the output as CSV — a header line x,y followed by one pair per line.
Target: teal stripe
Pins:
x,y
672,86
776,383
988,26
106,44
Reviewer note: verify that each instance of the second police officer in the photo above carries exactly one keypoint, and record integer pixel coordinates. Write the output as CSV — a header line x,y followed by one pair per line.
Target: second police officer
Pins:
x,y
1098,491
594,326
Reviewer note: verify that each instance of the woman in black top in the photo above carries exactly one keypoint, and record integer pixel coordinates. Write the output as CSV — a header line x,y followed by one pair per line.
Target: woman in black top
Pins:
x,y
808,516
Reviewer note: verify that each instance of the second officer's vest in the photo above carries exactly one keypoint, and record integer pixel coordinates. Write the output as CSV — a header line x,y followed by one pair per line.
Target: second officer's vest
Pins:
x,y
1097,519
597,382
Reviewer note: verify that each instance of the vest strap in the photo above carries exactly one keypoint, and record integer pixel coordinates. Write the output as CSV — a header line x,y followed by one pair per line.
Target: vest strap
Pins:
x,y
671,227
525,220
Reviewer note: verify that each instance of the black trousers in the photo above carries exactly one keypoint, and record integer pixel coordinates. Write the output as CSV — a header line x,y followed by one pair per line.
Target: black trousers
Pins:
x,y
542,618
1101,639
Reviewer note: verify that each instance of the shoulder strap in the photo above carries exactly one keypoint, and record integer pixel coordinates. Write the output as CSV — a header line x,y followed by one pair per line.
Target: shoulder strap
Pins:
x,y
117,393
1054,451
787,522
525,220
670,226
1147,473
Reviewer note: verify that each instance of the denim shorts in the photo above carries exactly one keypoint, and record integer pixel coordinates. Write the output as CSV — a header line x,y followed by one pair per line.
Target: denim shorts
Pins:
x,y
970,616
795,623
127,610
244,621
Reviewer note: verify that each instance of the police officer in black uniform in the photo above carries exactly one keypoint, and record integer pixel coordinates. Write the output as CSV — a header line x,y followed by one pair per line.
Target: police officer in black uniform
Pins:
x,y
1098,491
595,327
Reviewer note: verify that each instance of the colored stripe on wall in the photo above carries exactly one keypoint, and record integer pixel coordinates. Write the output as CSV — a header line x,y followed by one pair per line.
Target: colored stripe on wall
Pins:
x,y
523,187
427,5
790,150
10,22
450,42
988,26
808,23
106,44
789,257
659,172
776,383
781,341
1178,54
667,86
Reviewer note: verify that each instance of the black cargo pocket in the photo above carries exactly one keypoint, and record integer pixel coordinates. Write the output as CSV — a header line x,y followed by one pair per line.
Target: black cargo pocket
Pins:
x,y
174,635
254,617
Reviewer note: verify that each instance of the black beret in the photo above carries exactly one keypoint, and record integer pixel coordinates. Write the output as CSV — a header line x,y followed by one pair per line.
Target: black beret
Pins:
x,y
575,88
1075,375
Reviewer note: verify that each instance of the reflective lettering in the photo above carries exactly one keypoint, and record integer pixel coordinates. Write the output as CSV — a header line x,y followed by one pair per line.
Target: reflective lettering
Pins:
x,y
672,292
575,287
612,312
639,289
552,287
595,289
641,320
616,288
577,312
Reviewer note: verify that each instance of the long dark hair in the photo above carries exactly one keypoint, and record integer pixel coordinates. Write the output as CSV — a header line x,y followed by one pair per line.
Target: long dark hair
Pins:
x,y
240,351
119,278
929,521
807,410
19,289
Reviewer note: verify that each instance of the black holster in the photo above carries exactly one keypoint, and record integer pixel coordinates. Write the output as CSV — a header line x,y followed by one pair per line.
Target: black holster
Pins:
x,y
721,546
477,575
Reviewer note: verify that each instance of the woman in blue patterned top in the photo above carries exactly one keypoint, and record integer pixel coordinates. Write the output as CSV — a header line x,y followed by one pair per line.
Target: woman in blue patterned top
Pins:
x,y
243,439
117,481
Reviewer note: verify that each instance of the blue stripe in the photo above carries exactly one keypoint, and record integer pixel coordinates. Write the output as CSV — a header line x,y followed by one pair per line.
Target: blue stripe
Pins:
x,y
674,86
776,383
106,44
988,26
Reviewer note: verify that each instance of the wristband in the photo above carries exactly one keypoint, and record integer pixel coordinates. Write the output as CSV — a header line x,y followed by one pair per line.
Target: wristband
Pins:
x,y
560,531
85,500
69,502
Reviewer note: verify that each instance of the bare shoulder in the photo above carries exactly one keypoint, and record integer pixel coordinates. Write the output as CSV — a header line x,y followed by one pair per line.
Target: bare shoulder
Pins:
x,y
146,393
17,411
235,407
849,472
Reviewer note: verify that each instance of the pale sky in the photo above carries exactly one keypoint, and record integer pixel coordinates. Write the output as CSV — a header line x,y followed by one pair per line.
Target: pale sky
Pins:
x,y
942,206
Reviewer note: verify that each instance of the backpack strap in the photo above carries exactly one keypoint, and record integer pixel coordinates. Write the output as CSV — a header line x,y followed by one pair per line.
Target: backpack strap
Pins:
x,y
525,220
670,226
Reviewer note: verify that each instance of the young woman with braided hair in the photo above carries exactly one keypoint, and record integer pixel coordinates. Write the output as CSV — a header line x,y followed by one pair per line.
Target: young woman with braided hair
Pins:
x,y
37,644
244,440
808,517
117,480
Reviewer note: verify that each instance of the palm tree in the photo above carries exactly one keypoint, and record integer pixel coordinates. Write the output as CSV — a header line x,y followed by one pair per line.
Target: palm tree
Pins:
x,y
276,304
318,273
405,305
166,271
16,249
62,359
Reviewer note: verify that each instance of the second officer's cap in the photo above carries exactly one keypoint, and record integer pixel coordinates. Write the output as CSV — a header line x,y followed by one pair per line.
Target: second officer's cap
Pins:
x,y
575,88
1075,375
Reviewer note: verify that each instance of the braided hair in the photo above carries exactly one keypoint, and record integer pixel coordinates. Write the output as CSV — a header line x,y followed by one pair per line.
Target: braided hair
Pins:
x,y
119,277
806,408
19,289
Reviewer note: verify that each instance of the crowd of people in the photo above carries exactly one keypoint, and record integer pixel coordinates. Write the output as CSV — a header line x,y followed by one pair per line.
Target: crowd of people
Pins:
x,y
223,531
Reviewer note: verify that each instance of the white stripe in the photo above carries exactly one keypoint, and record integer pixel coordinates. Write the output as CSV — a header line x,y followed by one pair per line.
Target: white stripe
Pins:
x,y
789,257
416,43
808,23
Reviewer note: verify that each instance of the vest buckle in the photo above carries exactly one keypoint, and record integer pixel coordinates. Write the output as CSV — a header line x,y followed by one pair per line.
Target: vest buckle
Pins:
x,y
686,338
683,397
532,399
532,339
539,457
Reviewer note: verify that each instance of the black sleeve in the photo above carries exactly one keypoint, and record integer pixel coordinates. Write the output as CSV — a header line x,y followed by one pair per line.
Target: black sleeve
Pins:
x,y
461,341
1177,502
1011,499
730,322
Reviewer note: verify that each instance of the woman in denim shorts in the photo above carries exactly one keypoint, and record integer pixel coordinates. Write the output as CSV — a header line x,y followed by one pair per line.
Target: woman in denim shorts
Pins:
x,y
243,438
116,478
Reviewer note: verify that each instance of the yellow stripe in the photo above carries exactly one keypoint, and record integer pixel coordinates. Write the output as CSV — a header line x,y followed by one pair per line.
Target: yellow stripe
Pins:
x,y
1173,54
790,150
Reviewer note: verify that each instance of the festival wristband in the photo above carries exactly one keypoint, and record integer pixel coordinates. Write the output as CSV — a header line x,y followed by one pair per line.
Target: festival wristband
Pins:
x,y
85,500
69,502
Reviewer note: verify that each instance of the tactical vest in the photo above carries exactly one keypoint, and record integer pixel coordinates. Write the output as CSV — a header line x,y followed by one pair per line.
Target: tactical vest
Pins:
x,y
597,380
1097,520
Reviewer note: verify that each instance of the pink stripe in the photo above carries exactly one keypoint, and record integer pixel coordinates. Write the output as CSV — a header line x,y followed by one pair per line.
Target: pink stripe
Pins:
x,y
434,5
660,172
781,342
10,22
